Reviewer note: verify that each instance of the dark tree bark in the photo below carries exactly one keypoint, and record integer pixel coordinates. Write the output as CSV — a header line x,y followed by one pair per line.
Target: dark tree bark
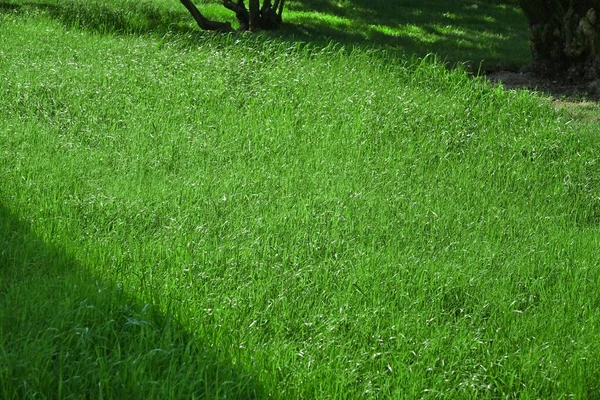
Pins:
x,y
254,15
254,18
565,37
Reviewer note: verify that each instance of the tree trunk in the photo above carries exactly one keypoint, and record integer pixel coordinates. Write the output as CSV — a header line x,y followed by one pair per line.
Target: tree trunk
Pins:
x,y
565,37
254,15
257,17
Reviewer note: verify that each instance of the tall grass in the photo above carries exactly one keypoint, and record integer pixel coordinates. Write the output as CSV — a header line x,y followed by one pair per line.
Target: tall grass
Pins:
x,y
302,222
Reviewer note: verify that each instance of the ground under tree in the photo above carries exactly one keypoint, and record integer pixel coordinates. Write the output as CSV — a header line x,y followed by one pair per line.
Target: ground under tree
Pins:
x,y
565,37
255,17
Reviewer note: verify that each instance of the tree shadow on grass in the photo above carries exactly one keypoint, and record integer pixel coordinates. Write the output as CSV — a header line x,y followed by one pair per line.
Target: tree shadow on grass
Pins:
x,y
64,334
139,18
456,31
462,31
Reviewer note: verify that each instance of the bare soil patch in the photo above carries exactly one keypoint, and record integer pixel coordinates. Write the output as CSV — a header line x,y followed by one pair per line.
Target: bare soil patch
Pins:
x,y
559,90
580,100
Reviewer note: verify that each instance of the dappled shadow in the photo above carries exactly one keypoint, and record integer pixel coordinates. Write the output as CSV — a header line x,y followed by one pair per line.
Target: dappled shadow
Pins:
x,y
65,334
4,7
471,32
457,31
140,18
411,11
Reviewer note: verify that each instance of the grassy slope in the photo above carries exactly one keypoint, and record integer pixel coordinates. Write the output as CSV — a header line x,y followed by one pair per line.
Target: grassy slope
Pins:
x,y
322,223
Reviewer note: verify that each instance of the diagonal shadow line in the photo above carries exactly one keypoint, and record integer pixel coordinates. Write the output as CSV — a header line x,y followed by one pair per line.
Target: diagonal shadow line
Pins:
x,y
65,334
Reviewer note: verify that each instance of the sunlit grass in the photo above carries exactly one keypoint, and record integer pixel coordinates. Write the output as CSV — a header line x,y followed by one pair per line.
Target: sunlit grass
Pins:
x,y
189,214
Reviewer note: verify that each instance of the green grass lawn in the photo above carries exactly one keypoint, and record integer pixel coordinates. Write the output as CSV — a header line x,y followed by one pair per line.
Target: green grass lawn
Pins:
x,y
188,215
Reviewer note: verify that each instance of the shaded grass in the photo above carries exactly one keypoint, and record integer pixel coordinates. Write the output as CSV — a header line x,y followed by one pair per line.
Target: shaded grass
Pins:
x,y
64,334
479,33
338,223
487,35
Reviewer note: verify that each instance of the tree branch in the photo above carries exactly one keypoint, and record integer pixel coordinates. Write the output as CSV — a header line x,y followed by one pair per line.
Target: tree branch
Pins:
x,y
241,13
203,22
253,18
